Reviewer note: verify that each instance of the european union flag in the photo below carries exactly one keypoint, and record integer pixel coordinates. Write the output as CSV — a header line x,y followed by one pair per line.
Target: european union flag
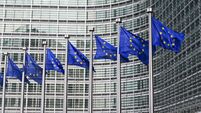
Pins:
x,y
1,79
166,37
52,63
131,44
32,69
106,51
14,71
75,57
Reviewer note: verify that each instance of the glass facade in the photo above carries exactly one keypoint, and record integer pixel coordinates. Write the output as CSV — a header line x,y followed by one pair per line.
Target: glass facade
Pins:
x,y
177,76
29,22
177,80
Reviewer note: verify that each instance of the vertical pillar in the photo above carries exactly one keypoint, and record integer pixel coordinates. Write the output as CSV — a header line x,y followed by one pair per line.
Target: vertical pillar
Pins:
x,y
151,92
65,108
91,73
43,78
22,88
118,22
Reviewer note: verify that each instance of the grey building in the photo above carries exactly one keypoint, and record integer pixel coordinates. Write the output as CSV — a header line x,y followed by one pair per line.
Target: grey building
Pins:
x,y
177,82
178,76
29,22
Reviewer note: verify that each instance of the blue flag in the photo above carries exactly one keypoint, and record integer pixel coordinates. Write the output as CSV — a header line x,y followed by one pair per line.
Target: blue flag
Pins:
x,y
52,63
14,71
75,57
166,37
106,51
1,79
32,69
131,44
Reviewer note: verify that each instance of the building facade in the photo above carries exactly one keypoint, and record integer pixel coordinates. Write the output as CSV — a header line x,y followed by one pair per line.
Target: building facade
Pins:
x,y
177,81
177,76
26,23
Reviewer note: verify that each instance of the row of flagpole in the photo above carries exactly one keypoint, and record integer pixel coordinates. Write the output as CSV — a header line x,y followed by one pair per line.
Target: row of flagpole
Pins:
x,y
65,107
125,47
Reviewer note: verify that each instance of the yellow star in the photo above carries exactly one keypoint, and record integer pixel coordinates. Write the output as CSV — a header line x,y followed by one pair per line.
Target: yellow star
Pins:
x,y
163,28
134,49
142,50
161,33
164,42
103,47
168,44
110,55
104,51
171,36
75,57
131,45
115,55
104,42
130,40
81,63
173,44
143,45
75,52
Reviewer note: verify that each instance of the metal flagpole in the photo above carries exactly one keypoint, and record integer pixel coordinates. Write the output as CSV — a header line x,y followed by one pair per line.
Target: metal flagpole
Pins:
x,y
22,88
4,83
65,108
151,90
118,21
43,79
91,73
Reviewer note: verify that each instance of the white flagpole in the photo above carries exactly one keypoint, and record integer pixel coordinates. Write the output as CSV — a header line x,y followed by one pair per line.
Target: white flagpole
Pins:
x,y
4,83
43,79
22,88
91,73
118,22
151,90
65,108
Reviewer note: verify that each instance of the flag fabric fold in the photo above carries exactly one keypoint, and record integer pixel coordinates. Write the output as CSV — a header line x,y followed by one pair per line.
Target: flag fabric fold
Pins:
x,y
14,71
166,37
131,44
75,57
105,50
32,69
52,63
